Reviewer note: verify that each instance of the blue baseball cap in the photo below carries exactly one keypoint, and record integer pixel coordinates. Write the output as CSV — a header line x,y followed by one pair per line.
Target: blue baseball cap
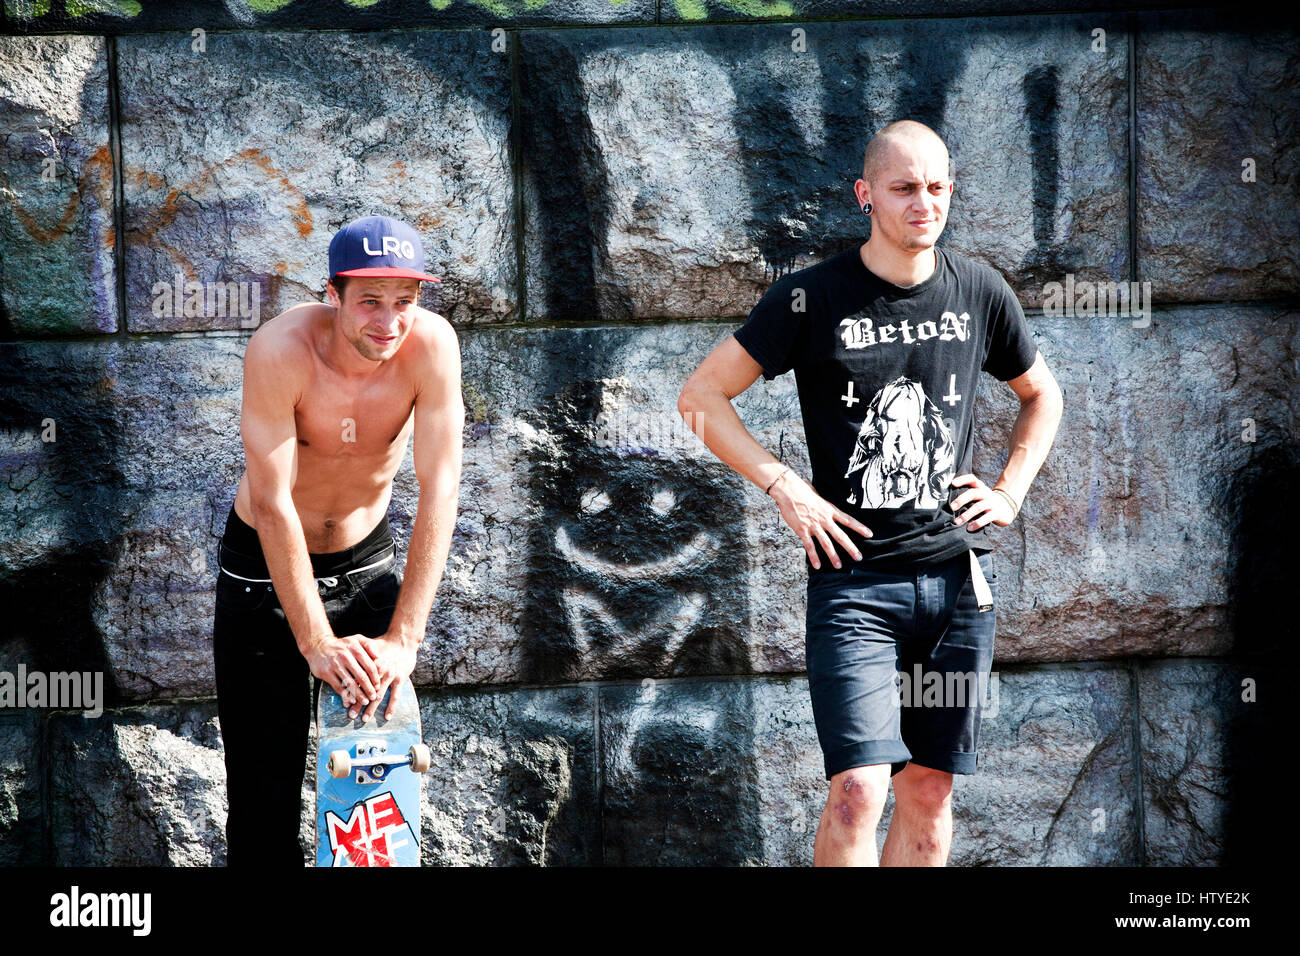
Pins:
x,y
380,247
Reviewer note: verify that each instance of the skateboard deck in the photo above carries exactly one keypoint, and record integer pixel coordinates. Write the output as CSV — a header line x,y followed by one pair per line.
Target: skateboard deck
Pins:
x,y
368,779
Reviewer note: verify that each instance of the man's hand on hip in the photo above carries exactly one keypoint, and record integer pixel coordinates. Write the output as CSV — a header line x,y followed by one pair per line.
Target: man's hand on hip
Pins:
x,y
813,518
980,505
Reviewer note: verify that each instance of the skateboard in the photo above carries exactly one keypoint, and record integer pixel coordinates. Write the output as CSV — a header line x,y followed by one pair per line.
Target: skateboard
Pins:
x,y
368,780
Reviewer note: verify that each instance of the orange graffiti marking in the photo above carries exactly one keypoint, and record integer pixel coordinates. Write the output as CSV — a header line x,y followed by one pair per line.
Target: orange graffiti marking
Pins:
x,y
100,163
167,211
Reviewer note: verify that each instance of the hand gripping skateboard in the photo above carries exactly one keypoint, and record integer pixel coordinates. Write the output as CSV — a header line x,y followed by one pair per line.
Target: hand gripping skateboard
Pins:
x,y
368,783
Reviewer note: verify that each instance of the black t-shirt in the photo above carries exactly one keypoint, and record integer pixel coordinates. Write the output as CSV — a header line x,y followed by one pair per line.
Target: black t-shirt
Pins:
x,y
886,379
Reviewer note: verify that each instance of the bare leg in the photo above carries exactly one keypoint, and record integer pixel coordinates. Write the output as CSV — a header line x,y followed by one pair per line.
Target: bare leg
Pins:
x,y
846,835
920,831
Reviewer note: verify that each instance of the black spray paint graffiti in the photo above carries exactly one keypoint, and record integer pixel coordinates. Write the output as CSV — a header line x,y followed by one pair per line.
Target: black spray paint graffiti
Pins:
x,y
633,571
636,570
1042,111
626,573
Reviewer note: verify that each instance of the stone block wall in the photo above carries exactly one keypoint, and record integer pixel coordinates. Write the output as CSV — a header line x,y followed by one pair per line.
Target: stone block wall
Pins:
x,y
613,670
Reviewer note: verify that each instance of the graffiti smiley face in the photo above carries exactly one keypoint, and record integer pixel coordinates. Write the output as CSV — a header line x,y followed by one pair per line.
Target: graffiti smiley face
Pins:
x,y
631,571
641,542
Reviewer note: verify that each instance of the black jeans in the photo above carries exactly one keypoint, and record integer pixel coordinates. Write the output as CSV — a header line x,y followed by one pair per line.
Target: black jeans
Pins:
x,y
265,692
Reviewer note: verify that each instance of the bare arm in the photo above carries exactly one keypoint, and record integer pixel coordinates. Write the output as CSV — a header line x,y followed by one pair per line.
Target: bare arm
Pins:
x,y
1041,404
271,459
705,404
439,426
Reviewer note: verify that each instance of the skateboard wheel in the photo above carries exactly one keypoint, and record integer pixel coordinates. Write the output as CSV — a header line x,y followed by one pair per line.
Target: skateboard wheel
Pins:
x,y
420,757
340,764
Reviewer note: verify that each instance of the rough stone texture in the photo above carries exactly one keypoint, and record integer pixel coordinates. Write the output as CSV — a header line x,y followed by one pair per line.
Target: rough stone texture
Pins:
x,y
730,156
154,610
144,786
62,505
789,775
1123,546
1057,782
112,527
513,781
598,539
1213,90
679,777
56,234
1209,760
22,789
686,772
121,16
513,778
302,148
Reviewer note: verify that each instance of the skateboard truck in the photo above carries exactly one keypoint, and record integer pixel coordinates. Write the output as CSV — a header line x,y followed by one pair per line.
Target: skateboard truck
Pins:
x,y
372,762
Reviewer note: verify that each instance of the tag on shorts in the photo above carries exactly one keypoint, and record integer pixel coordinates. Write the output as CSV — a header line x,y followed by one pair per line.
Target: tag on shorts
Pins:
x,y
983,594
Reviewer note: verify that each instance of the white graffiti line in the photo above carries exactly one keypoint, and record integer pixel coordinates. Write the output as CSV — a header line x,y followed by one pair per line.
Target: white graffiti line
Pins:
x,y
667,632
698,550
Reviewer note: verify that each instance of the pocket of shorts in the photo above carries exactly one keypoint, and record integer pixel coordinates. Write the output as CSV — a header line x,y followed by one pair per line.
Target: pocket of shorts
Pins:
x,y
381,594
241,596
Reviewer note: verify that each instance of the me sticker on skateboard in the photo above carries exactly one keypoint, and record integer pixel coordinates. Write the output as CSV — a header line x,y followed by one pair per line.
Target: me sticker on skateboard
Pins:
x,y
368,783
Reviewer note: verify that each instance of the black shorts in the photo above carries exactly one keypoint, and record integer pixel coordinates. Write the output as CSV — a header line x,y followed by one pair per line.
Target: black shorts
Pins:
x,y
899,665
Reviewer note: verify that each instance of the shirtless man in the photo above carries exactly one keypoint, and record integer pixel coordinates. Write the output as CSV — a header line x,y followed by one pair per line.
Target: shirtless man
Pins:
x,y
307,583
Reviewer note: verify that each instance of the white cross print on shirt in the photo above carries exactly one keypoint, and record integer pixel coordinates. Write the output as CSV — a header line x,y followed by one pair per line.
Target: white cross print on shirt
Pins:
x,y
952,398
849,398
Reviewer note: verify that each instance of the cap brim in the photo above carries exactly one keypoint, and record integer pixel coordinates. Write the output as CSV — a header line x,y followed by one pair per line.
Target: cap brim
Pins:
x,y
385,272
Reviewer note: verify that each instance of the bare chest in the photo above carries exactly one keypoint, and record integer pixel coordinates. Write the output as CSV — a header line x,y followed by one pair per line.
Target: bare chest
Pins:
x,y
340,422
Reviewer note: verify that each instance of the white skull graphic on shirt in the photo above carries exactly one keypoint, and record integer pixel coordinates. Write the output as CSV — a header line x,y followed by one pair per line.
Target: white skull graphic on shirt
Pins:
x,y
904,451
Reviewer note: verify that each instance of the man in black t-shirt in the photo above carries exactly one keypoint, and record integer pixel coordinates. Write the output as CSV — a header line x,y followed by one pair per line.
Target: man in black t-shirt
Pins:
x,y
887,340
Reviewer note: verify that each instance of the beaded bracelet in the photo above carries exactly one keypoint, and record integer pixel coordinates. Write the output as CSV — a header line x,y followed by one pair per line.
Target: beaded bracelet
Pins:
x,y
775,480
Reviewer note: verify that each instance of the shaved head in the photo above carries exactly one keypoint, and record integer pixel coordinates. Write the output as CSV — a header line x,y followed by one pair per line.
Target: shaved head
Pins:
x,y
902,132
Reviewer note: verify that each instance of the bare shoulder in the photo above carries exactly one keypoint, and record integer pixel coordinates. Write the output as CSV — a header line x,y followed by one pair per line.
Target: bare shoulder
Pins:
x,y
290,331
434,329
291,328
437,349
281,346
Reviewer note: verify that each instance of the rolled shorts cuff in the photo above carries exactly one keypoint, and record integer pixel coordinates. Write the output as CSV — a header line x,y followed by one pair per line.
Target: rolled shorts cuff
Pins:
x,y
952,761
864,754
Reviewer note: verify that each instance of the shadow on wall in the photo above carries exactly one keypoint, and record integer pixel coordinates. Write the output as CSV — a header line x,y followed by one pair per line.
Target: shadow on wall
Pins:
x,y
67,505
65,509
1262,580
